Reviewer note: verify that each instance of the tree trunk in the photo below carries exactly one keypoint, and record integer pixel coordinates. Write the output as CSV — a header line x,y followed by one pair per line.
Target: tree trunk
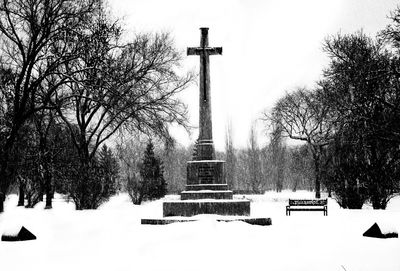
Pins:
x,y
4,181
295,183
49,193
317,187
4,165
21,195
2,198
317,175
140,199
81,192
28,200
40,197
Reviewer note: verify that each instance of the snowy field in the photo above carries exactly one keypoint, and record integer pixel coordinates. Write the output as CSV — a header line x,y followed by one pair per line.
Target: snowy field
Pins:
x,y
112,238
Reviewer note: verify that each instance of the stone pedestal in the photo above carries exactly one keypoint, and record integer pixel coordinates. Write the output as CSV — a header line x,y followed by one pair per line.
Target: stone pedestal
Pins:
x,y
263,221
198,207
206,193
206,172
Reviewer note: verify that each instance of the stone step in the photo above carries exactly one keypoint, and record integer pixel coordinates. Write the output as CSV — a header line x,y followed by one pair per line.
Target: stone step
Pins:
x,y
260,221
196,207
206,194
197,187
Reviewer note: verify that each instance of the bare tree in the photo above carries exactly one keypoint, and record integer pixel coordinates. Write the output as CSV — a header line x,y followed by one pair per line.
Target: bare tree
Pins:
x,y
254,162
267,168
129,153
33,47
300,167
46,129
175,159
278,150
242,171
303,116
121,86
230,158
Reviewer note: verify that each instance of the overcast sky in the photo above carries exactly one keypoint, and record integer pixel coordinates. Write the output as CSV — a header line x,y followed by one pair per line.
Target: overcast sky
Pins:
x,y
269,47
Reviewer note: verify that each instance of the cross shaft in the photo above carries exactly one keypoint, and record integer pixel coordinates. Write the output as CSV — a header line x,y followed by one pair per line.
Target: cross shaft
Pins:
x,y
205,143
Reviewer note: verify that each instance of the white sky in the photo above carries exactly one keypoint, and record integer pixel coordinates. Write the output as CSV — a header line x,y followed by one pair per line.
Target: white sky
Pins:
x,y
269,47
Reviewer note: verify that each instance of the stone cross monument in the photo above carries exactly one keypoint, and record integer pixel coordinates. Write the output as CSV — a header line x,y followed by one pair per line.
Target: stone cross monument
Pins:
x,y
205,147
204,169
206,188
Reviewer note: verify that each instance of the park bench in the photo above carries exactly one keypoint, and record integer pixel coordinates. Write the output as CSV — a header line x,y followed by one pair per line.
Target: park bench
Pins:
x,y
307,205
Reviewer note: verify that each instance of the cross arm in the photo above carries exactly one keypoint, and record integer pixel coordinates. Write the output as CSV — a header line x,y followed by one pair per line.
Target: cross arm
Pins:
x,y
200,50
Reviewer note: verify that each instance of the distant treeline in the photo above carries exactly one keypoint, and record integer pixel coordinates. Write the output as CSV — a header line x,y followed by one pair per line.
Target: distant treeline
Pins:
x,y
248,170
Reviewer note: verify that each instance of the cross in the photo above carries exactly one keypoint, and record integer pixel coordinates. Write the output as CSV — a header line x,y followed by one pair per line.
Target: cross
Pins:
x,y
204,52
205,146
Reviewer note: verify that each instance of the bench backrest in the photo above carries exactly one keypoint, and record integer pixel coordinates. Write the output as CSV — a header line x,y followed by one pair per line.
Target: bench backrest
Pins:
x,y
308,202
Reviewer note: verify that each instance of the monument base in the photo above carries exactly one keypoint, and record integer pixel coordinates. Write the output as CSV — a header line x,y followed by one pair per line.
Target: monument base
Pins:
x,y
205,206
249,220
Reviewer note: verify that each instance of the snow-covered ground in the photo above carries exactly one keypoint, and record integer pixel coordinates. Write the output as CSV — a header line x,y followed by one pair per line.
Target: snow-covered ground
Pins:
x,y
112,238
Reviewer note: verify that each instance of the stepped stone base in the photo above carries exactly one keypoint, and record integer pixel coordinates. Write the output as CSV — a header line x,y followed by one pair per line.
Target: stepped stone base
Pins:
x,y
165,221
206,194
197,207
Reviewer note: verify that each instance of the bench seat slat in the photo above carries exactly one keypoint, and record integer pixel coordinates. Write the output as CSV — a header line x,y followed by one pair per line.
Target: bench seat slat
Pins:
x,y
307,205
305,202
306,209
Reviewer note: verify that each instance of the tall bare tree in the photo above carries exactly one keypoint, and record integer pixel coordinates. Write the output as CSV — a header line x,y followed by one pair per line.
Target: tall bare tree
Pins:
x,y
300,167
278,151
129,86
303,116
33,46
254,161
174,157
230,158
129,153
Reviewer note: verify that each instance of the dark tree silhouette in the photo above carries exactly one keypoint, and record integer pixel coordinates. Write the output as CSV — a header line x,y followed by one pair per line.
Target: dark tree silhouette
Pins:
x,y
152,173
33,47
150,184
362,84
109,164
